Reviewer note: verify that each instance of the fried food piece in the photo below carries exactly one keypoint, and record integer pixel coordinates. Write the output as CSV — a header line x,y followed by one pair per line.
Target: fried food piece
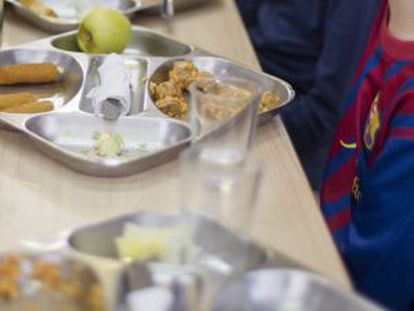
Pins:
x,y
96,298
32,107
183,74
29,73
48,274
39,7
15,99
166,89
9,274
174,107
268,101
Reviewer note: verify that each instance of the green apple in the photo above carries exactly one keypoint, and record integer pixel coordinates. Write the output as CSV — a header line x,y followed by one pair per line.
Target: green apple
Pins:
x,y
104,31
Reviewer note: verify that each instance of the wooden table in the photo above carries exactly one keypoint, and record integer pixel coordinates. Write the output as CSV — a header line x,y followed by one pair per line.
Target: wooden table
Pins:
x,y
40,197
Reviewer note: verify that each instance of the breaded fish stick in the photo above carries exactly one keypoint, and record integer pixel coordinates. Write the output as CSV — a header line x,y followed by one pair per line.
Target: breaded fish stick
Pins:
x,y
28,73
33,107
16,99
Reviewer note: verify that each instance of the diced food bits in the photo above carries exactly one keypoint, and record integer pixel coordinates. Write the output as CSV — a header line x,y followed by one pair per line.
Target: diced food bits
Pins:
x,y
166,89
175,107
169,96
183,74
48,279
150,244
268,101
108,145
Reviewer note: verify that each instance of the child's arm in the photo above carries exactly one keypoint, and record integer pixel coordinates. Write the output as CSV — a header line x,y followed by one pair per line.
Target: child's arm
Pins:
x,y
381,251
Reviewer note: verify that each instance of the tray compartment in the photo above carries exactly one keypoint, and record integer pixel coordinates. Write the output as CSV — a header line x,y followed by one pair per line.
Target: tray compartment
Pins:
x,y
143,43
220,67
67,137
60,92
213,238
138,72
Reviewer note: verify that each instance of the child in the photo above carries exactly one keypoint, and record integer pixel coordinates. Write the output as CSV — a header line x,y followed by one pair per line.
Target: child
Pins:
x,y
312,44
368,192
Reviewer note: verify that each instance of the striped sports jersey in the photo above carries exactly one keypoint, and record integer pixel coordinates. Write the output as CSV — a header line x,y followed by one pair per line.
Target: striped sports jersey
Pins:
x,y
368,191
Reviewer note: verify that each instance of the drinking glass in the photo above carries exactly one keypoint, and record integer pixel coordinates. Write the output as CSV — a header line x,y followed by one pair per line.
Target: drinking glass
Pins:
x,y
217,185
223,111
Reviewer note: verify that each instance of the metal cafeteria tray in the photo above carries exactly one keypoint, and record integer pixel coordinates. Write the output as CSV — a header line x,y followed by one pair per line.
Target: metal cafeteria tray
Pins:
x,y
70,11
151,138
267,280
288,289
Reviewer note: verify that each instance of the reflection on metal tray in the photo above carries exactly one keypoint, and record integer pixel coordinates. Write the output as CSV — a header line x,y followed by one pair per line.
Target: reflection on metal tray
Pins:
x,y
70,12
288,289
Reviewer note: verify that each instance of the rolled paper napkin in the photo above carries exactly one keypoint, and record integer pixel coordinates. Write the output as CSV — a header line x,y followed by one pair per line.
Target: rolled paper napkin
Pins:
x,y
15,99
29,74
112,98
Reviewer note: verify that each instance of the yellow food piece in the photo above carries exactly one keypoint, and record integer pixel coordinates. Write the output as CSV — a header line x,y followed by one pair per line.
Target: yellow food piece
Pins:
x,y
175,107
33,107
108,145
29,74
15,99
183,74
144,244
268,101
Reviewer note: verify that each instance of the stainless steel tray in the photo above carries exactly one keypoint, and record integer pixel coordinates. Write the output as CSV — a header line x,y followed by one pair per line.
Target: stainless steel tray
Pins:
x,y
69,19
65,134
265,282
288,289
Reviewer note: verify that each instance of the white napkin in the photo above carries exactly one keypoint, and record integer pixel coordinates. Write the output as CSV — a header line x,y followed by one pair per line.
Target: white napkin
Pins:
x,y
115,83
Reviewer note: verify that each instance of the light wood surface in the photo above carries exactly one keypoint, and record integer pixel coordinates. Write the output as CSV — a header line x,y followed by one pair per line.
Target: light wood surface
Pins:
x,y
40,197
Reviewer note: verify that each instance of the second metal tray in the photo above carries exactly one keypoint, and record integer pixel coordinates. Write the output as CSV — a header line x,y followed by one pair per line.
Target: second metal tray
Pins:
x,y
69,15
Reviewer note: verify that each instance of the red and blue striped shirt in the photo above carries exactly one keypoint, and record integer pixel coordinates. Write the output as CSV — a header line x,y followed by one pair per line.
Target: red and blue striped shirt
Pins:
x,y
368,191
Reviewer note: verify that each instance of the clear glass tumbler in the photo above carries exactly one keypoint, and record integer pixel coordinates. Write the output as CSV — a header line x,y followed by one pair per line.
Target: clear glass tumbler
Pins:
x,y
223,111
218,184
